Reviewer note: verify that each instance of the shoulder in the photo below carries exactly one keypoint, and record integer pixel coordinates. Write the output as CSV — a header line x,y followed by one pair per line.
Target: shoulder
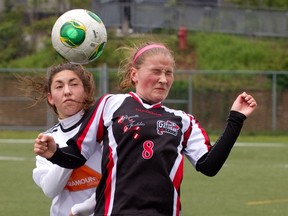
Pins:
x,y
176,112
115,99
186,118
53,129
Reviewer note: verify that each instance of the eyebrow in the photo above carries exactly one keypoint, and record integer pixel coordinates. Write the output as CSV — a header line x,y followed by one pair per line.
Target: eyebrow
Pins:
x,y
70,80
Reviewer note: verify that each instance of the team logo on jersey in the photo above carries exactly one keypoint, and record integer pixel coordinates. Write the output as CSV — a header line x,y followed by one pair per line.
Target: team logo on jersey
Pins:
x,y
167,127
130,124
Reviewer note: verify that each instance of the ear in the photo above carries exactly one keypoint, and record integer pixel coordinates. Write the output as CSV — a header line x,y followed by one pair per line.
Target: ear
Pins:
x,y
133,75
50,99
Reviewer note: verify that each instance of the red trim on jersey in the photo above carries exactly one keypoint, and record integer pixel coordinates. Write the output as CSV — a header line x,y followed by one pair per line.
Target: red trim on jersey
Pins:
x,y
135,97
100,131
187,133
179,175
86,129
207,140
157,105
178,207
177,182
107,192
101,127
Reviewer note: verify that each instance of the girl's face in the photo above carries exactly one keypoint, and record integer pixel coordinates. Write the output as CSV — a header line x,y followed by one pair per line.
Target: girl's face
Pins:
x,y
67,93
154,78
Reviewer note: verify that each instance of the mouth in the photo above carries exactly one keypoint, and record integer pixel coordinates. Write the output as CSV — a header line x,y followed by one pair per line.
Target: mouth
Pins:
x,y
160,89
68,100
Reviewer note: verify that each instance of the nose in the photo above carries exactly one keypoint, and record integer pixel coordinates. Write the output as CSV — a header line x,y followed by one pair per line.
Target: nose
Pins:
x,y
67,90
163,78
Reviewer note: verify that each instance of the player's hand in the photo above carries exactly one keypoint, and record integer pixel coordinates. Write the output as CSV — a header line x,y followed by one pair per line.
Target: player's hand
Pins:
x,y
244,104
45,146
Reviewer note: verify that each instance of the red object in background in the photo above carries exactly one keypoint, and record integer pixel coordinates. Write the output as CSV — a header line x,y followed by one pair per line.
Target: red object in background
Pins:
x,y
182,38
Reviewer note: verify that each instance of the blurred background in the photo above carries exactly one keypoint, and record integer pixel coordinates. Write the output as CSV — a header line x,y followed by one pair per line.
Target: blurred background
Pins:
x,y
221,47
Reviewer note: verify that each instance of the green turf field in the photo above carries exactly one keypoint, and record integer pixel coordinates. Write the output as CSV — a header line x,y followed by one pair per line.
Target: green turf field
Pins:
x,y
19,194
252,182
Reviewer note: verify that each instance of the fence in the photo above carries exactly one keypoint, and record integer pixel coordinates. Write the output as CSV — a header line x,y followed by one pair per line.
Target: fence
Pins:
x,y
148,16
208,95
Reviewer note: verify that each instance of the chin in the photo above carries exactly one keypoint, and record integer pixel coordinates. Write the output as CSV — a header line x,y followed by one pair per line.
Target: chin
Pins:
x,y
158,100
71,112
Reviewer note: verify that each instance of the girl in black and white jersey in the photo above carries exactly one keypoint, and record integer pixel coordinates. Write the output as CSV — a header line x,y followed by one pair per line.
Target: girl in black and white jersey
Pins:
x,y
143,141
69,90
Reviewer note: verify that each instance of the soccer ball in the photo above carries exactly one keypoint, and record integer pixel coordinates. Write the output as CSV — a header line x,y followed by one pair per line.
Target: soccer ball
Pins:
x,y
79,36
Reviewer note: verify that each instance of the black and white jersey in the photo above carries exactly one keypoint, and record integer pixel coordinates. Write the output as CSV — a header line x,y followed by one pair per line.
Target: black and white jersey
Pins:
x,y
143,154
67,187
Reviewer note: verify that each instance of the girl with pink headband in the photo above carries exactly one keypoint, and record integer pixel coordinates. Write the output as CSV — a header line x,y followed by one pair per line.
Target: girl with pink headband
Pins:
x,y
145,48
143,141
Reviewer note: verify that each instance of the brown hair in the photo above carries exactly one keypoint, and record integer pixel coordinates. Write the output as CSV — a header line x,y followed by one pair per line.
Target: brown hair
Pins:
x,y
37,87
129,61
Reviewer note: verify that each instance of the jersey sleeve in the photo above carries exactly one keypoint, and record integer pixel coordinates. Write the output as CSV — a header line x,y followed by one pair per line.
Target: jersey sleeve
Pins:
x,y
84,144
92,129
46,174
197,142
212,162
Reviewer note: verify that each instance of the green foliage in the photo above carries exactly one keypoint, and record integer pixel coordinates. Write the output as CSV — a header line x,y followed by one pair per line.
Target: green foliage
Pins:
x,y
213,51
42,26
11,41
229,52
279,4
179,89
234,53
81,4
206,51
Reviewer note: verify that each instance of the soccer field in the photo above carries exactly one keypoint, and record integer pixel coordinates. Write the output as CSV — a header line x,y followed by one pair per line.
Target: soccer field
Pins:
x,y
19,194
252,182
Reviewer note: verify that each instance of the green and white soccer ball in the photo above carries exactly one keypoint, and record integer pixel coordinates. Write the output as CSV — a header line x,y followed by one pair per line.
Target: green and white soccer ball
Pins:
x,y
79,36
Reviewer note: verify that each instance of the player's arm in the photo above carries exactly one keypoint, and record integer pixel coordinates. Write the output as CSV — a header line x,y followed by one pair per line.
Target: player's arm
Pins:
x,y
84,208
211,162
71,156
68,157
46,174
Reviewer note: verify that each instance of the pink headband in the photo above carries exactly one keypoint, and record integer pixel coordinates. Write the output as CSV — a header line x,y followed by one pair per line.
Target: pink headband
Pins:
x,y
148,47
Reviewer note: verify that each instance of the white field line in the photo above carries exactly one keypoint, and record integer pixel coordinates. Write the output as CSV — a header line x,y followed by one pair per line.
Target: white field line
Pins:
x,y
238,144
266,202
275,145
17,141
11,158
25,141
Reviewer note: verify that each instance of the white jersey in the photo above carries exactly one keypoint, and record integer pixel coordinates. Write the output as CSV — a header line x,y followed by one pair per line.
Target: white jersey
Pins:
x,y
67,187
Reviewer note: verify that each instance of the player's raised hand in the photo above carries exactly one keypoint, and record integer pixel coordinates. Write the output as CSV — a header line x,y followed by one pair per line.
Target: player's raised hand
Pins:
x,y
244,104
45,146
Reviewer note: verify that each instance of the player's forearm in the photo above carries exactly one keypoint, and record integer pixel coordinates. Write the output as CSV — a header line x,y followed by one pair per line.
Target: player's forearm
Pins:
x,y
85,208
56,175
68,157
212,162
